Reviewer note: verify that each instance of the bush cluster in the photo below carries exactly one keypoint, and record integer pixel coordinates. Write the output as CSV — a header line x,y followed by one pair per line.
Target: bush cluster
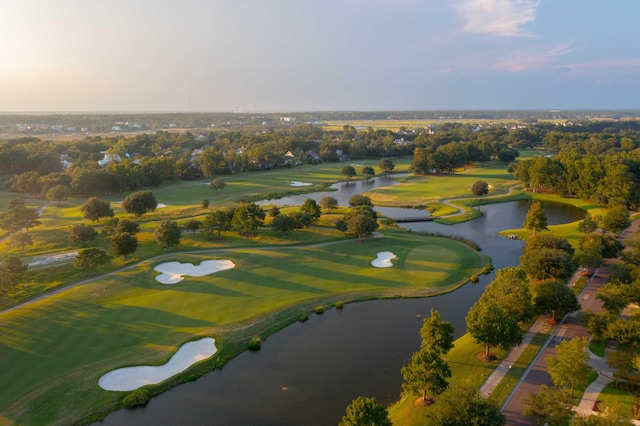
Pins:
x,y
136,398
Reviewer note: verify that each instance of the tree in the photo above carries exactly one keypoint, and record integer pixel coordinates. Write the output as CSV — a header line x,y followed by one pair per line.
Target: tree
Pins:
x,y
204,203
536,218
386,165
359,222
587,225
12,271
301,219
192,225
21,239
94,209
116,226
90,258
360,200
365,412
510,290
368,172
82,233
58,193
283,223
626,333
247,218
551,405
168,233
217,220
426,374
462,404
139,203
217,184
480,188
123,244
614,296
556,298
437,335
589,254
570,366
18,216
348,172
611,413
490,325
274,211
617,219
212,162
328,203
310,206
547,263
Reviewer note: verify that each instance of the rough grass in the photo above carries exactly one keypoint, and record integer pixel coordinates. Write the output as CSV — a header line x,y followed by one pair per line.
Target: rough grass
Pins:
x,y
60,346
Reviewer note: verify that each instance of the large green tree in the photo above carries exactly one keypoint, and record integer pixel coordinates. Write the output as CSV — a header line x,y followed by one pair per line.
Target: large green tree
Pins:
x,y
123,244
12,271
18,216
310,206
462,404
90,258
283,224
491,326
547,263
328,203
536,218
386,165
217,220
359,222
480,188
550,405
617,219
556,298
167,233
510,290
436,334
82,233
94,209
426,375
365,412
570,366
247,218
348,172
139,203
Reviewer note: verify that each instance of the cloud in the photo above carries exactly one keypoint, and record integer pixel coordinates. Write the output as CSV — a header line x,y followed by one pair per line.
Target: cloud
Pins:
x,y
498,17
534,58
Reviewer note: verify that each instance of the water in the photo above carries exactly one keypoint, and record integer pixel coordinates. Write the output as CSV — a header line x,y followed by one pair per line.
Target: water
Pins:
x,y
309,372
344,191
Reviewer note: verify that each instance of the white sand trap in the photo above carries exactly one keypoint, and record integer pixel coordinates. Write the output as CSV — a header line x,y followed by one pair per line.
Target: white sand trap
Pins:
x,y
296,183
131,378
173,272
383,260
161,206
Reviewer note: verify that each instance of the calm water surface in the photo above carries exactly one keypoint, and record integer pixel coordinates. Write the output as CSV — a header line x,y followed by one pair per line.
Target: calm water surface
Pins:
x,y
309,372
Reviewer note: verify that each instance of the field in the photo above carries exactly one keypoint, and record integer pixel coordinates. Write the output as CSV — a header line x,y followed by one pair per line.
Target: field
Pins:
x,y
71,338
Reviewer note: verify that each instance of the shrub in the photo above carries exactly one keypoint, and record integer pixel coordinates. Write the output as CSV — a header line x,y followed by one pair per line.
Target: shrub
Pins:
x,y
474,278
136,398
339,305
319,310
255,344
303,318
487,269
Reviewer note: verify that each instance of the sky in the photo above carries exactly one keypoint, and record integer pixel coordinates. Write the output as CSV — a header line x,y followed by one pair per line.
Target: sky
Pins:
x,y
318,55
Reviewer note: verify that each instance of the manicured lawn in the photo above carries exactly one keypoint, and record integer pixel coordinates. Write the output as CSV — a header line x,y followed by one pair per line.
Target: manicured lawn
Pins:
x,y
55,350
610,395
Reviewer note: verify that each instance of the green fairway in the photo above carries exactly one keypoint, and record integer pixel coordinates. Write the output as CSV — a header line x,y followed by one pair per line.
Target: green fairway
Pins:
x,y
61,345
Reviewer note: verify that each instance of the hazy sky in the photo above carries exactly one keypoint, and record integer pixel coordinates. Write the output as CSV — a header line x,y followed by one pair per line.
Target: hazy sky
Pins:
x,y
287,55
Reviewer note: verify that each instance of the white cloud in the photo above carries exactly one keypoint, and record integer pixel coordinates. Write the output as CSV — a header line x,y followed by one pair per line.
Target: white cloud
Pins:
x,y
497,17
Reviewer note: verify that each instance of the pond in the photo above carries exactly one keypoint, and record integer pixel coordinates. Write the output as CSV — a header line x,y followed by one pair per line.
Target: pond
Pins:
x,y
309,372
344,191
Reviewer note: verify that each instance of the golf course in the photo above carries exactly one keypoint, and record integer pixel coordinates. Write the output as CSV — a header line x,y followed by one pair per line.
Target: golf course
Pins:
x,y
56,347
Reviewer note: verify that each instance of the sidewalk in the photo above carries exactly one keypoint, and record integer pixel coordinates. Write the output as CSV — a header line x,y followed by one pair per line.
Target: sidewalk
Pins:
x,y
501,370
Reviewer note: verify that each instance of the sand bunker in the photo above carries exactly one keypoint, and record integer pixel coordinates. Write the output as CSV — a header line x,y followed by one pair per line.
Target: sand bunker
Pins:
x,y
161,206
173,272
383,260
131,378
296,183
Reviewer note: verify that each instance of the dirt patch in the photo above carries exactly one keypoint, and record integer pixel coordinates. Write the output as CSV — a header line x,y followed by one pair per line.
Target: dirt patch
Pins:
x,y
423,402
481,356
